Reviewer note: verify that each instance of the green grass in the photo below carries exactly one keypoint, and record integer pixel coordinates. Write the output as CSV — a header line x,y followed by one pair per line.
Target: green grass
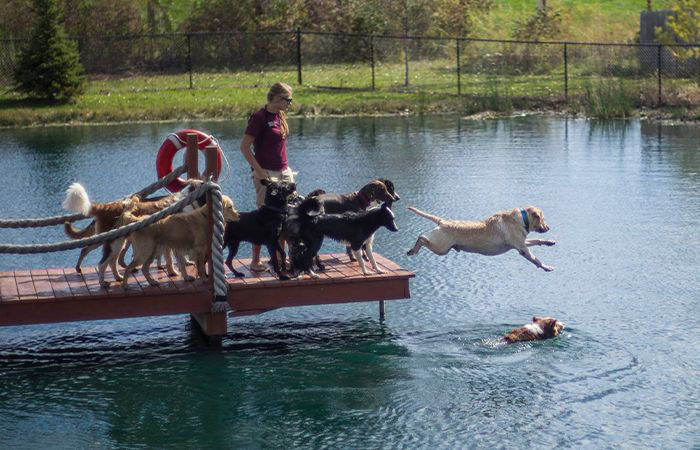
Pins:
x,y
489,80
583,20
329,90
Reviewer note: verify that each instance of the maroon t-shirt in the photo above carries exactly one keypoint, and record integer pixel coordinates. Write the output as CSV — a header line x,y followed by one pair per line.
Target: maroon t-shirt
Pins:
x,y
269,148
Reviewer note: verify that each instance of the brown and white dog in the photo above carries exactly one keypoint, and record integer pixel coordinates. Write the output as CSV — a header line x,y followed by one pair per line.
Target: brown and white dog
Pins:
x,y
374,191
540,328
184,233
106,216
503,231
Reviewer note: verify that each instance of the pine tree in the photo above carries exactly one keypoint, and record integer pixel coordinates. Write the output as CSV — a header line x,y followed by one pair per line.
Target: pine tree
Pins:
x,y
49,66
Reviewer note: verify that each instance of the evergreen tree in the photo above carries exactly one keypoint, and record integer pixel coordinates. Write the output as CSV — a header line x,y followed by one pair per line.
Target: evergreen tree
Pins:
x,y
49,66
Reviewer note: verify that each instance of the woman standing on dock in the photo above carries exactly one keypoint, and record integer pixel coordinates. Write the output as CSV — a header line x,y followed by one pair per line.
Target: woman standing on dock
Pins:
x,y
267,132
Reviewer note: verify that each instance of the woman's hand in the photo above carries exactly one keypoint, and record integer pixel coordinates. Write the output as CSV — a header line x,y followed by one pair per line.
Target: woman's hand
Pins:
x,y
260,173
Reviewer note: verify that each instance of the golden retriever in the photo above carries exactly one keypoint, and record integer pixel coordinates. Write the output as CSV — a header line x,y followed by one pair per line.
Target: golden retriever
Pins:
x,y
107,214
540,328
499,233
184,233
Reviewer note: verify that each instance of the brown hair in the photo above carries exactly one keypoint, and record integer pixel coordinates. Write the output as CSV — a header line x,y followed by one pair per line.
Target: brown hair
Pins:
x,y
281,89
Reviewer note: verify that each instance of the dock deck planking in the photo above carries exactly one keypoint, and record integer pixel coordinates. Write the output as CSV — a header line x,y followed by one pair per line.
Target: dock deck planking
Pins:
x,y
59,295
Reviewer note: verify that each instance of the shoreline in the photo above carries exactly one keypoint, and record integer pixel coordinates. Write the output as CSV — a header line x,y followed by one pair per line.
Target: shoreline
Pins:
x,y
640,114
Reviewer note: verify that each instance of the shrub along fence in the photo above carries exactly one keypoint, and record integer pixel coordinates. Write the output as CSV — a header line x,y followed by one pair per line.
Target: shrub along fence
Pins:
x,y
462,66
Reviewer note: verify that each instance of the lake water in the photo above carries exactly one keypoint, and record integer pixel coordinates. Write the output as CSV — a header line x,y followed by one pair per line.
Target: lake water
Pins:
x,y
622,199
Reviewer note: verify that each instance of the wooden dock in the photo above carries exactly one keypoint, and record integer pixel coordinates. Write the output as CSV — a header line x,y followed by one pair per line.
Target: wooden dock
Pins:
x,y
63,295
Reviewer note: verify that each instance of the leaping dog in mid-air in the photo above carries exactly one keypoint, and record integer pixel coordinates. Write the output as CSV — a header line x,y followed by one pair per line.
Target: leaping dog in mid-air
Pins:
x,y
503,231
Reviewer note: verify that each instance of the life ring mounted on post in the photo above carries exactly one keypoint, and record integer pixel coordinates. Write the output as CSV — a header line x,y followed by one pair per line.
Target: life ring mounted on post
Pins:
x,y
176,141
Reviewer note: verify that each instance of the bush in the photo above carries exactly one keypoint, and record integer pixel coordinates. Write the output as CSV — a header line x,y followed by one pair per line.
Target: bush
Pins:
x,y
49,66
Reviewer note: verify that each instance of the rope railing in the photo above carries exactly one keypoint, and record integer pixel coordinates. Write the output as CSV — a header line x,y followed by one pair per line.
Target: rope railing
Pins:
x,y
219,276
60,220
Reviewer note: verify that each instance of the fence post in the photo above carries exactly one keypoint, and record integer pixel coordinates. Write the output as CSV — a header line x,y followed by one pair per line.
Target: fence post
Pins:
x,y
371,57
405,56
459,81
189,57
299,55
566,73
658,67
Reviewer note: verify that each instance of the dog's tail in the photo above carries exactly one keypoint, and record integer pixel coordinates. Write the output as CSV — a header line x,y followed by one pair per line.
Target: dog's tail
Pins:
x,y
436,219
77,199
78,233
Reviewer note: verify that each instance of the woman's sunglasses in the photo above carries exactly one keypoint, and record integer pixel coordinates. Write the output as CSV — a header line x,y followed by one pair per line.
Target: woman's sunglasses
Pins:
x,y
287,99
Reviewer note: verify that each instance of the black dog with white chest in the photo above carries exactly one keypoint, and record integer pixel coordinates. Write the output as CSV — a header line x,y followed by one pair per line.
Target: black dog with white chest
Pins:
x,y
262,226
355,229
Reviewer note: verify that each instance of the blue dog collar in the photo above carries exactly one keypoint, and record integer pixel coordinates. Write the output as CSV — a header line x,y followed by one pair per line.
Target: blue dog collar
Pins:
x,y
525,221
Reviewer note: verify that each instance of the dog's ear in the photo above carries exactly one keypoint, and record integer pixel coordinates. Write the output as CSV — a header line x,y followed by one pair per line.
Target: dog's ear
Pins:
x,y
264,181
535,318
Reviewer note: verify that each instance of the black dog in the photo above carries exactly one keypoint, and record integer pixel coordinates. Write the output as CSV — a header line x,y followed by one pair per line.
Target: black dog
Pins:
x,y
355,229
376,191
262,226
304,241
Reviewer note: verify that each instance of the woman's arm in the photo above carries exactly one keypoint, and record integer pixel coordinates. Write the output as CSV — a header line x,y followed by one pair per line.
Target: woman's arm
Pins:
x,y
246,142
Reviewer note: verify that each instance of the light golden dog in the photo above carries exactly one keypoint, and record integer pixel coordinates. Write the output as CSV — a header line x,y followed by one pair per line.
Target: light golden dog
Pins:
x,y
540,328
184,234
503,231
106,216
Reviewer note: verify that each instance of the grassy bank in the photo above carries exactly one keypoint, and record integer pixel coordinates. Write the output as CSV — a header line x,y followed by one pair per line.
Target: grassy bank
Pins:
x,y
432,90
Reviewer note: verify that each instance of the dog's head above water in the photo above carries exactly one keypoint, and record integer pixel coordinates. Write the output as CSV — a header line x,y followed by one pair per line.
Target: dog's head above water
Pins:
x,y
540,328
278,193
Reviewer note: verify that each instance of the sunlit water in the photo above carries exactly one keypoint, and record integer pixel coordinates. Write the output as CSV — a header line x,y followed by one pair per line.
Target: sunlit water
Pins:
x,y
623,203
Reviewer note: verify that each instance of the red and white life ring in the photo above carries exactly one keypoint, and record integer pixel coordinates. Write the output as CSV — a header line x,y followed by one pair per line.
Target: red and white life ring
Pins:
x,y
176,141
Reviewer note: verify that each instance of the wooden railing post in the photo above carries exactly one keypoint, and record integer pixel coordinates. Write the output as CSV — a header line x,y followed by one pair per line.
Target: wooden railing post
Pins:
x,y
211,162
192,156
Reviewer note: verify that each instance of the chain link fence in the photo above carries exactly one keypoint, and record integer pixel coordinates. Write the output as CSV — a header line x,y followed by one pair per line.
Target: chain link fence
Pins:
x,y
416,64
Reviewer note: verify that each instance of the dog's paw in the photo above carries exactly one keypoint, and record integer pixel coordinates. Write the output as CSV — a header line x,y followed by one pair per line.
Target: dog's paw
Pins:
x,y
380,270
547,268
188,278
549,243
314,275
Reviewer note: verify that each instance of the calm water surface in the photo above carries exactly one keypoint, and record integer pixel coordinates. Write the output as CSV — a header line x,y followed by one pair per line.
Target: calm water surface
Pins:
x,y
623,203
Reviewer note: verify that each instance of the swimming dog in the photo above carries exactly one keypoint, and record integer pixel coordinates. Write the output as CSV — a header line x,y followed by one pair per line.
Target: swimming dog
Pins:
x,y
540,328
498,234
262,226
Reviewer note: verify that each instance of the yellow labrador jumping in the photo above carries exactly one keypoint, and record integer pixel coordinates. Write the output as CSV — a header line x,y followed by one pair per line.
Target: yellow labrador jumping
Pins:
x,y
503,231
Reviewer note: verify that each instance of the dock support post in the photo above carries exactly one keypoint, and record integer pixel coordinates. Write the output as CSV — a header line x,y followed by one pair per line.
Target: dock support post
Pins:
x,y
381,310
211,325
